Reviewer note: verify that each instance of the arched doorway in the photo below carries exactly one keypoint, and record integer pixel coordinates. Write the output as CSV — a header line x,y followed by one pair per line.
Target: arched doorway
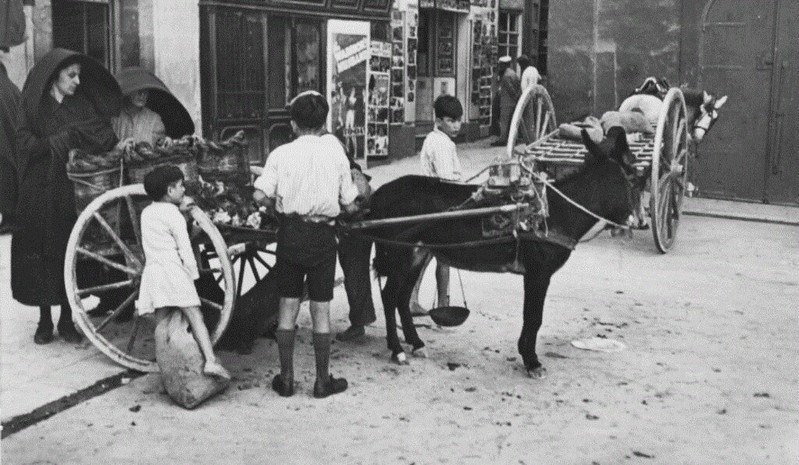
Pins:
x,y
749,50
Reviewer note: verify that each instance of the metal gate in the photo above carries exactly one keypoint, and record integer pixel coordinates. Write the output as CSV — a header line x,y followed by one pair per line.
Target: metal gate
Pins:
x,y
749,50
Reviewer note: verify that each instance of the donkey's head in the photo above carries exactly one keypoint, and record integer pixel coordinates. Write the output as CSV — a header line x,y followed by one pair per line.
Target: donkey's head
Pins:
x,y
703,111
613,161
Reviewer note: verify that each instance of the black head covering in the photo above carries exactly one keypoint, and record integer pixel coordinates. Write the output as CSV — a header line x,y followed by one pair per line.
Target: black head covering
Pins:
x,y
96,83
176,118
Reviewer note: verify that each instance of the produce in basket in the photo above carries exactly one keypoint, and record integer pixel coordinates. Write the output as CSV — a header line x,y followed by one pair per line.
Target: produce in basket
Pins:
x,y
229,204
81,161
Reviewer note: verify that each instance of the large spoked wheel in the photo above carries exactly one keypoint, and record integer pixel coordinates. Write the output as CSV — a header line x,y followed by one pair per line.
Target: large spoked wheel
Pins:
x,y
105,259
533,119
669,175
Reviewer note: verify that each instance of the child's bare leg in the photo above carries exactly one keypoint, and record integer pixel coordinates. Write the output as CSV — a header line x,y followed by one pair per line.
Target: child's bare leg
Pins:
x,y
416,307
212,366
442,280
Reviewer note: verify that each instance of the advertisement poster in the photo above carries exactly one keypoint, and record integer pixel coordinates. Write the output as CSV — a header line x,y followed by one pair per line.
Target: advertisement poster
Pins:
x,y
378,108
347,81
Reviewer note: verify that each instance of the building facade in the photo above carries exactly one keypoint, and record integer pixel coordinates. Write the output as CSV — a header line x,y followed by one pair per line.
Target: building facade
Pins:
x,y
235,64
600,50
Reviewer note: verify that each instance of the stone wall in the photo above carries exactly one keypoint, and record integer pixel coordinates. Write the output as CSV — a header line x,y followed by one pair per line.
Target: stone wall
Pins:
x,y
600,50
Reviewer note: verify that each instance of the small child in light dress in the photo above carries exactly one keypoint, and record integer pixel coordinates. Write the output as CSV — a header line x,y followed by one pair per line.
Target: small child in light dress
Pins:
x,y
170,269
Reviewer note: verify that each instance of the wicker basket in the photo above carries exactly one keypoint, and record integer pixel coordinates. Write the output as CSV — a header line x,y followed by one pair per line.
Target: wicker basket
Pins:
x,y
186,163
229,165
89,186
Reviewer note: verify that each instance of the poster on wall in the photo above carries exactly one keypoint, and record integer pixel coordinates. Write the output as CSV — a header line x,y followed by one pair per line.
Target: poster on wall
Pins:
x,y
347,83
411,37
379,98
398,67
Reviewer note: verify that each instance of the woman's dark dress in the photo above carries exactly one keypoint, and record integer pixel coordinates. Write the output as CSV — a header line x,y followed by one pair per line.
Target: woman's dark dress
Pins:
x,y
46,206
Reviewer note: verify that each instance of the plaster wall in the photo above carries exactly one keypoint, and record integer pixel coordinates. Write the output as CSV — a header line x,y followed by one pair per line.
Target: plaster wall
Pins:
x,y
600,50
176,51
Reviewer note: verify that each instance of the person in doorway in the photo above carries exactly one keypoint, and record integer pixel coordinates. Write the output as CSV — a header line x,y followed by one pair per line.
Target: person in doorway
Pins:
x,y
439,158
529,73
66,102
136,122
307,181
509,92
9,110
167,282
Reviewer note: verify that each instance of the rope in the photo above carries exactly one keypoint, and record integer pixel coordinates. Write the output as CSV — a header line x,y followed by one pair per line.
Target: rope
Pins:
x,y
546,182
463,294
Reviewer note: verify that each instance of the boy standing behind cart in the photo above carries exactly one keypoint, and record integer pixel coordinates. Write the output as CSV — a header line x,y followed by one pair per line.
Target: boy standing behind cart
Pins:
x,y
306,181
439,158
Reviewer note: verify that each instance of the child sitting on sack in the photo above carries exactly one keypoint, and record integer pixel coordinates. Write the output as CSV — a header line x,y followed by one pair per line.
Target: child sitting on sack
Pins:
x,y
167,282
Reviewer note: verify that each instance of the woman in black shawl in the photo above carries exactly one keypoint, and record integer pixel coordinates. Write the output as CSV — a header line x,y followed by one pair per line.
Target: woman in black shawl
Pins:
x,y
66,102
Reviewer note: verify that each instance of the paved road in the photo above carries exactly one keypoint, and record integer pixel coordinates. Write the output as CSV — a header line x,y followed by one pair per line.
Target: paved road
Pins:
x,y
708,375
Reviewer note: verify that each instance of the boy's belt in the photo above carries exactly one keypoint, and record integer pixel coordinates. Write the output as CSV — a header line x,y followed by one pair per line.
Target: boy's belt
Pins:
x,y
321,219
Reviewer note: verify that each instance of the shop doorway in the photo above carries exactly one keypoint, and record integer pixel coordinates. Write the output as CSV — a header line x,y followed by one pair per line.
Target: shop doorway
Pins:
x,y
249,77
749,50
436,62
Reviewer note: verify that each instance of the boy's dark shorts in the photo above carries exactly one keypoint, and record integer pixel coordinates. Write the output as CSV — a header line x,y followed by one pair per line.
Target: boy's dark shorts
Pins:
x,y
306,249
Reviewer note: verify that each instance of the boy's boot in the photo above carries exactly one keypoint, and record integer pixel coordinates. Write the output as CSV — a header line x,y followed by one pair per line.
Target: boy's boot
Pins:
x,y
283,383
325,384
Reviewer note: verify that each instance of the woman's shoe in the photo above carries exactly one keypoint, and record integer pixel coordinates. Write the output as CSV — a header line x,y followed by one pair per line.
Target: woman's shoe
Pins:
x,y
69,334
353,332
43,335
329,387
282,388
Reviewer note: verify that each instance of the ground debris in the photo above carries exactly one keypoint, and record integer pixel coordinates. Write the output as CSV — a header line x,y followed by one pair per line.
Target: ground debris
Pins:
x,y
135,408
641,454
588,416
764,395
452,366
554,355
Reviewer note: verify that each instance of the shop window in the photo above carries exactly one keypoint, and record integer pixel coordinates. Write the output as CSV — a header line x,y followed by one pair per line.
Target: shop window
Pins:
x,y
294,59
129,34
83,27
508,33
241,56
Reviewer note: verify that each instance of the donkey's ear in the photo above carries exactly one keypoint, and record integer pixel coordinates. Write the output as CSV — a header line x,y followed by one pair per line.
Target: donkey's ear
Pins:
x,y
618,136
706,98
592,146
720,102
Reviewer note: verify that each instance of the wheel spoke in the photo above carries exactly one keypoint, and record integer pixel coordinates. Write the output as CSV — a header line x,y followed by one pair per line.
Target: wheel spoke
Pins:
x,y
117,311
134,219
125,250
211,303
241,276
133,335
104,288
106,261
262,261
254,268
539,105
544,126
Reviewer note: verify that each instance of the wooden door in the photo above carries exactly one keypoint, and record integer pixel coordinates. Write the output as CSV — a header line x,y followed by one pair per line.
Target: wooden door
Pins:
x,y
782,171
735,52
749,50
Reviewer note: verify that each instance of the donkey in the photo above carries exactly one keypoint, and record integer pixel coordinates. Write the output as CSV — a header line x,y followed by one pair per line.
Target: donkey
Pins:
x,y
604,186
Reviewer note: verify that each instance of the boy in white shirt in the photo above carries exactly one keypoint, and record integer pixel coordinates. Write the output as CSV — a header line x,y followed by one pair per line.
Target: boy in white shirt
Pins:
x,y
308,181
529,73
439,159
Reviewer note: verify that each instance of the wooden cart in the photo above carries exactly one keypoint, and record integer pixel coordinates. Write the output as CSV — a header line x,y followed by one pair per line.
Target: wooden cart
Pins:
x,y
107,236
662,159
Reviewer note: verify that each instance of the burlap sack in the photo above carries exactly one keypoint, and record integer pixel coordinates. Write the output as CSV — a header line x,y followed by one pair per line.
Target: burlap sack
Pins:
x,y
181,363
